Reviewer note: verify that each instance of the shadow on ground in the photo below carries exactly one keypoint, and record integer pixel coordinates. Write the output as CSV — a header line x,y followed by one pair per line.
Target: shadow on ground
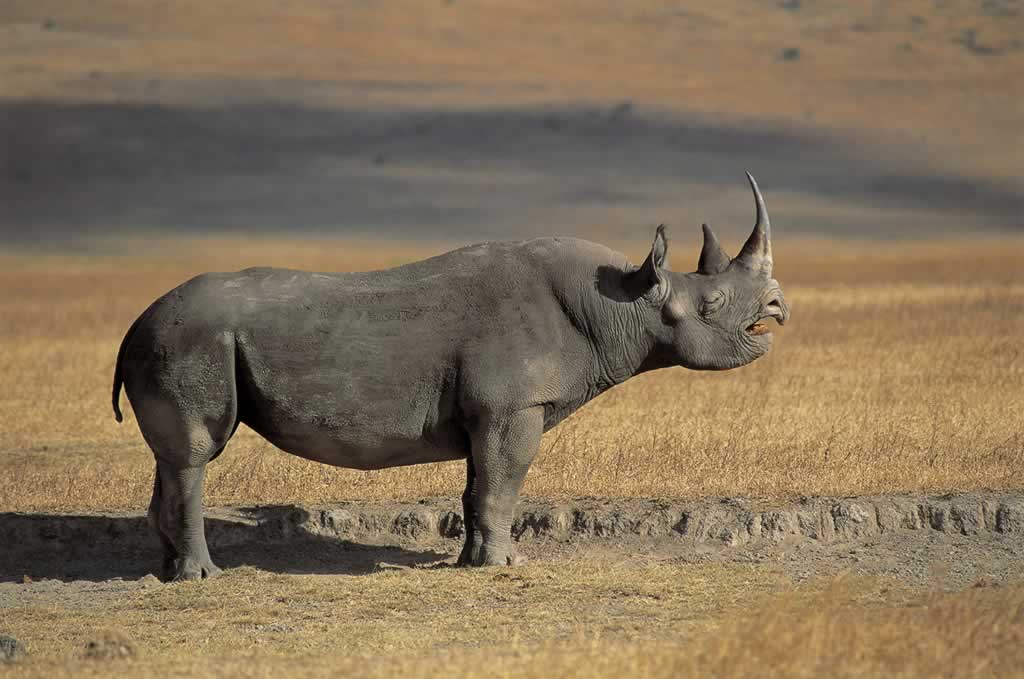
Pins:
x,y
96,548
75,169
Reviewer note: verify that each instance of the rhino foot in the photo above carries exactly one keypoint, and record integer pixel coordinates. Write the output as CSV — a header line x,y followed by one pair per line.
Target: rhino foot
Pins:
x,y
482,556
194,569
470,550
512,559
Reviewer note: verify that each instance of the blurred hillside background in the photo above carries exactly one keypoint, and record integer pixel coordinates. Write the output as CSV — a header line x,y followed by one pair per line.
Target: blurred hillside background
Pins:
x,y
458,120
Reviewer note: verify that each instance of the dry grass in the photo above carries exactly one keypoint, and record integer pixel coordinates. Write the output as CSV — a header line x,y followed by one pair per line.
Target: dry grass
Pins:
x,y
945,74
600,618
901,370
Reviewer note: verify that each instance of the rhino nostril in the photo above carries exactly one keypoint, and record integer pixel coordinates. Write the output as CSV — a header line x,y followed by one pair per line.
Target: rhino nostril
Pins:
x,y
777,310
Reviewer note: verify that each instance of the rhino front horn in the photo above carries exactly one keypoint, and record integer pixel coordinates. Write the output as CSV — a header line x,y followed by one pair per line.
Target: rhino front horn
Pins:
x,y
756,254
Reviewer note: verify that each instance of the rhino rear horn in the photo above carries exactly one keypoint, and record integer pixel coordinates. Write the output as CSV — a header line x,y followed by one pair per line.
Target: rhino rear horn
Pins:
x,y
713,259
756,254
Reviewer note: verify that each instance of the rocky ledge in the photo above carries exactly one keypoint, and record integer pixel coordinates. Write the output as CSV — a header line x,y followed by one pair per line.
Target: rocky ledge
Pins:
x,y
724,522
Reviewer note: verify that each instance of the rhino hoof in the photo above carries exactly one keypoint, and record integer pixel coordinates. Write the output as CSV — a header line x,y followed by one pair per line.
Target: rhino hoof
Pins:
x,y
485,558
187,569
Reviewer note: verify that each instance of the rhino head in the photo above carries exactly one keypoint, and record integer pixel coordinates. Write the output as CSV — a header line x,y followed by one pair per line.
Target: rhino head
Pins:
x,y
713,318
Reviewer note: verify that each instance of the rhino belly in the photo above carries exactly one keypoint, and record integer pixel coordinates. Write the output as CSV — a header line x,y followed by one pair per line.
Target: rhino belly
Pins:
x,y
341,450
346,409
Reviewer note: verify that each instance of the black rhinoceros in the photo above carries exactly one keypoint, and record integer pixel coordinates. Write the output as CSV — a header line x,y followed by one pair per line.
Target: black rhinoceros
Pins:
x,y
471,355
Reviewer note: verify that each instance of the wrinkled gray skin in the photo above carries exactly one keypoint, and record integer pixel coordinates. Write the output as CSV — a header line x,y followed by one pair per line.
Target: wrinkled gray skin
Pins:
x,y
471,355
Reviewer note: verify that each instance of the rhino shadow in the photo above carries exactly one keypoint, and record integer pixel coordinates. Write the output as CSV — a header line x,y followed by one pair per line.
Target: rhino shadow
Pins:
x,y
96,548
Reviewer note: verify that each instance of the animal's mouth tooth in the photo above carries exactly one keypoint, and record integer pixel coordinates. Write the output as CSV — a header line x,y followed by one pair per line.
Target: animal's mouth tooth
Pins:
x,y
757,328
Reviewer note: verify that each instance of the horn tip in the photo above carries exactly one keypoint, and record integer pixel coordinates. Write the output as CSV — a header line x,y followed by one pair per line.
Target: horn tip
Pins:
x,y
762,212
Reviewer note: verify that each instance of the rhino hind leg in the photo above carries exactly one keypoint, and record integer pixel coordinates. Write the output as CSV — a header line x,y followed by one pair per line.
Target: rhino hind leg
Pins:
x,y
474,539
181,522
503,449
187,408
170,554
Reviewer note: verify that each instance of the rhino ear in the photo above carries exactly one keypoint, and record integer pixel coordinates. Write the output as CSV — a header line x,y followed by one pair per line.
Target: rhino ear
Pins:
x,y
713,259
650,277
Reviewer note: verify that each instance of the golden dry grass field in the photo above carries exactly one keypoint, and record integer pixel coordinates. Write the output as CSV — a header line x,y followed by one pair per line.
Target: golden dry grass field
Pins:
x,y
901,370
577,618
453,119
944,73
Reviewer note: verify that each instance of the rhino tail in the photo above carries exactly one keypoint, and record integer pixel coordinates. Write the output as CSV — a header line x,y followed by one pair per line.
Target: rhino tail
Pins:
x,y
118,378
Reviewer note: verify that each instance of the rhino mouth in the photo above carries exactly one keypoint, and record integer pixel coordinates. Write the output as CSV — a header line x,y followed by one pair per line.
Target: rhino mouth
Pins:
x,y
758,328
775,309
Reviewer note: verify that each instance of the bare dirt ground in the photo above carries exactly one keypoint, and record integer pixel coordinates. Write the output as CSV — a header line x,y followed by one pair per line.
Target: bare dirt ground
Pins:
x,y
368,588
951,540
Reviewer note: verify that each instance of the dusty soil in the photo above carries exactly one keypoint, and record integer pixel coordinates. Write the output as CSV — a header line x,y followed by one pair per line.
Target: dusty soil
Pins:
x,y
612,586
927,559
949,541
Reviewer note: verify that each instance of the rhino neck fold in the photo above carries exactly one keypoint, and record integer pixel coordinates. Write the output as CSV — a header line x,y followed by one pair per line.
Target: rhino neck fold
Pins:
x,y
618,338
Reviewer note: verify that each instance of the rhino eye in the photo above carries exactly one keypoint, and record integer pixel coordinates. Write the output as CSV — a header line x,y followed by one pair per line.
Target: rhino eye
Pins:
x,y
712,302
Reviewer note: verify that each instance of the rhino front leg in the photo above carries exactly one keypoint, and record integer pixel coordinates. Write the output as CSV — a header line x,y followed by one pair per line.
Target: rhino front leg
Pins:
x,y
503,449
474,539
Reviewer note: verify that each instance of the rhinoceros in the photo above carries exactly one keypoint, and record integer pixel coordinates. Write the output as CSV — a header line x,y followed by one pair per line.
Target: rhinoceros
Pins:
x,y
470,355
